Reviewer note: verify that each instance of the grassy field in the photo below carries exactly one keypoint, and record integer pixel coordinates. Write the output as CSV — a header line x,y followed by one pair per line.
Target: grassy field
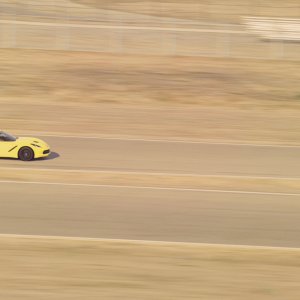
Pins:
x,y
118,178
152,96
72,269
132,79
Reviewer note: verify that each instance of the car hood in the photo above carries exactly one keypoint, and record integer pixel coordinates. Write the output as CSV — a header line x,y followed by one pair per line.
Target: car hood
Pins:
x,y
33,140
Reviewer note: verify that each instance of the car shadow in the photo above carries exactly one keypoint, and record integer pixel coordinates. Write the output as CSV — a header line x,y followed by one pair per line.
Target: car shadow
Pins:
x,y
52,155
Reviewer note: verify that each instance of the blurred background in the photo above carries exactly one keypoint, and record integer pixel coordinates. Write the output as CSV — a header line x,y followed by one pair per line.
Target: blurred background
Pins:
x,y
252,29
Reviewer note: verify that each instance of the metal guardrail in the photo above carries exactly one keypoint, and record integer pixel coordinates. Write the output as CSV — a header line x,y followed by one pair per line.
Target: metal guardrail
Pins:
x,y
274,28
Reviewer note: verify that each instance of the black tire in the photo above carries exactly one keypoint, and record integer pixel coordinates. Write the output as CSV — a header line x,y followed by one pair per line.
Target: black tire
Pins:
x,y
26,154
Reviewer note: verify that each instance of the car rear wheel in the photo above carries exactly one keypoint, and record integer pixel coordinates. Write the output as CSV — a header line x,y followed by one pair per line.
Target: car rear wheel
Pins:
x,y
26,154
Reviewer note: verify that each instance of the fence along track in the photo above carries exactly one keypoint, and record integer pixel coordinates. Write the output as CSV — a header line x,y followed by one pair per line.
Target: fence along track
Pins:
x,y
117,32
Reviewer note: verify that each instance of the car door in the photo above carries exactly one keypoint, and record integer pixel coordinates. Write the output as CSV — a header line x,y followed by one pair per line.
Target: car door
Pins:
x,y
6,147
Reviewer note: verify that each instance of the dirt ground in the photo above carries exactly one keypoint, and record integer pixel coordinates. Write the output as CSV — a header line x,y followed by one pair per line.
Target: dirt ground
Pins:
x,y
33,268
149,96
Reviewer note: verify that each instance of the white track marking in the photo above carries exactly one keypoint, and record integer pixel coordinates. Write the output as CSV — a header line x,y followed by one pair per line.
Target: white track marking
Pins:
x,y
149,173
144,242
149,188
149,28
157,140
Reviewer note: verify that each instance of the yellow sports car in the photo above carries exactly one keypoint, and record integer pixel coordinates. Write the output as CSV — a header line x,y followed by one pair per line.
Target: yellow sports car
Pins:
x,y
24,148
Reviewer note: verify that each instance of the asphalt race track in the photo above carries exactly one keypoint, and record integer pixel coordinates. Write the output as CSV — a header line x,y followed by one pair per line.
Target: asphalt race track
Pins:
x,y
156,214
169,157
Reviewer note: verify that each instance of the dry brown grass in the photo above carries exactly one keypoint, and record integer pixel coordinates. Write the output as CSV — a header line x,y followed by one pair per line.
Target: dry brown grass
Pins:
x,y
102,94
154,80
70,269
154,180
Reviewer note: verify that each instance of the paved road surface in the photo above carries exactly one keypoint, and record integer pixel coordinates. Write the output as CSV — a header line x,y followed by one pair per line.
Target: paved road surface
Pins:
x,y
150,215
169,157
153,214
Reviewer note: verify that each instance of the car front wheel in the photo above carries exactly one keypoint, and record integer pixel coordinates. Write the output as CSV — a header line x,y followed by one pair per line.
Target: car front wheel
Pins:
x,y
26,154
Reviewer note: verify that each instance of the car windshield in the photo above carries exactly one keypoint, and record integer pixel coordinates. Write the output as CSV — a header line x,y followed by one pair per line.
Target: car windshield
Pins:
x,y
7,137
